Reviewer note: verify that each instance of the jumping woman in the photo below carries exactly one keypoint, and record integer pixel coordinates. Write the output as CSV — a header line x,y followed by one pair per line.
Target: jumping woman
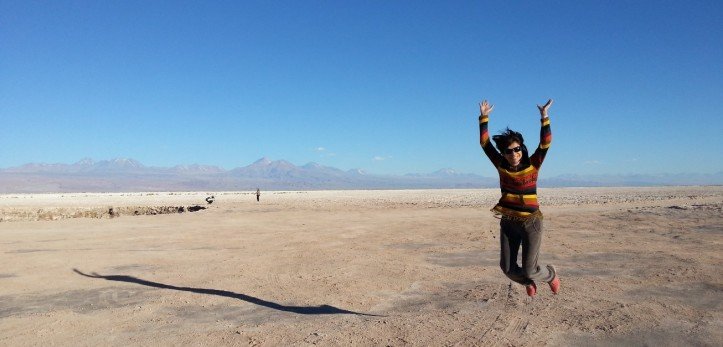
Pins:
x,y
520,216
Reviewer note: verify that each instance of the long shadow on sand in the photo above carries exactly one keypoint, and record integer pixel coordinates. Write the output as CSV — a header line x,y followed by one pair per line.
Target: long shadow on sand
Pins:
x,y
322,309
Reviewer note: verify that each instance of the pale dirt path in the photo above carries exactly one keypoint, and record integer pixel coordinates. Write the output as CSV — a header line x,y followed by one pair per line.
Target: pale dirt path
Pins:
x,y
419,268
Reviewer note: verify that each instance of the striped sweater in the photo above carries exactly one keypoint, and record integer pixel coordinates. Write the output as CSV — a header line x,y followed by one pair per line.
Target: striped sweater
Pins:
x,y
519,187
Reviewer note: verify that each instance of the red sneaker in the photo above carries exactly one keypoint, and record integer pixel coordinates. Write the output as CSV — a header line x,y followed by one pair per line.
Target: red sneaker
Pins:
x,y
531,289
555,284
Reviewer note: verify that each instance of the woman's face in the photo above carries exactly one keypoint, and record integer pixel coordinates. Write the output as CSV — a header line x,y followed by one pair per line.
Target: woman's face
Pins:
x,y
513,153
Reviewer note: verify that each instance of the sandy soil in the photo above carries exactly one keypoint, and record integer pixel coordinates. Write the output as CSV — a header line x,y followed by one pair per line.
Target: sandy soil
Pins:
x,y
638,266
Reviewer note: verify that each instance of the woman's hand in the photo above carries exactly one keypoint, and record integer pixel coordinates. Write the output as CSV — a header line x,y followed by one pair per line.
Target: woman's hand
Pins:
x,y
485,108
543,109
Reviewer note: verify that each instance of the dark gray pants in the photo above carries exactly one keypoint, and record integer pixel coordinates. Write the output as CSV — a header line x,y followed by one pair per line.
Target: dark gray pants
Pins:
x,y
527,234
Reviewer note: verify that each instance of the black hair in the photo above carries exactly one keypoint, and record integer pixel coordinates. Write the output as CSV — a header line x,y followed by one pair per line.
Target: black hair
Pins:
x,y
507,137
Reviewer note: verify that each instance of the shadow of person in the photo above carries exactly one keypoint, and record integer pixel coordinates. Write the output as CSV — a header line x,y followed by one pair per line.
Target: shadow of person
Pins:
x,y
322,309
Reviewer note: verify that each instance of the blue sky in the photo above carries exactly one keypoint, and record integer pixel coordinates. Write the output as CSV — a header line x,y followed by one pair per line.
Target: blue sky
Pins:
x,y
388,86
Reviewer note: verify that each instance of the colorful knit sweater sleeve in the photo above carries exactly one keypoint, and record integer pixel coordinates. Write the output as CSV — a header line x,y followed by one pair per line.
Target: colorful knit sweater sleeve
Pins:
x,y
484,141
545,140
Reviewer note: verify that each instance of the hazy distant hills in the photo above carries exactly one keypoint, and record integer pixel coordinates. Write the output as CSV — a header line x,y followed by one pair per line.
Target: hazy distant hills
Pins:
x,y
633,180
124,174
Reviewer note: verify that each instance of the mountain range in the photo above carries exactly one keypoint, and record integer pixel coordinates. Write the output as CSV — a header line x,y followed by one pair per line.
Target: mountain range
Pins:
x,y
126,175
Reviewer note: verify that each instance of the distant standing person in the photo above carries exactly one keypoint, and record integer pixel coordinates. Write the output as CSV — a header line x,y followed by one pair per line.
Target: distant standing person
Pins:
x,y
519,211
258,194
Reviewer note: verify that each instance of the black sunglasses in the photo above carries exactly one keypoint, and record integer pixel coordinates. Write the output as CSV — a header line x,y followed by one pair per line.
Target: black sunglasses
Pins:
x,y
510,150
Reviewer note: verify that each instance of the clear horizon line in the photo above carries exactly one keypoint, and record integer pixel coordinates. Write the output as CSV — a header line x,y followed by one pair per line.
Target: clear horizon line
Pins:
x,y
718,172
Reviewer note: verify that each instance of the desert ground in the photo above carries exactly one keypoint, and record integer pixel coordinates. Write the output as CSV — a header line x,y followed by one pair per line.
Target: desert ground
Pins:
x,y
639,266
